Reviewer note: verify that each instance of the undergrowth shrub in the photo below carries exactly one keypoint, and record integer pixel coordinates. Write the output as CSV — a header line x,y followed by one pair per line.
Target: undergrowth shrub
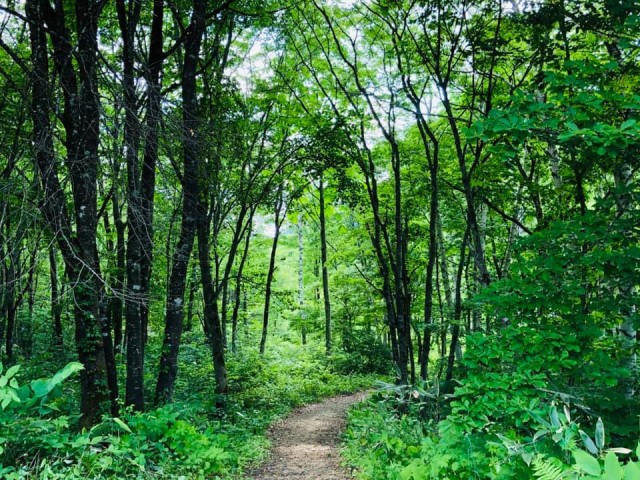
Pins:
x,y
363,353
189,439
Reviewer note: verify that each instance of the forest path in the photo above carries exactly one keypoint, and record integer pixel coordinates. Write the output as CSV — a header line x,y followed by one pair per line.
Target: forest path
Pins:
x,y
305,444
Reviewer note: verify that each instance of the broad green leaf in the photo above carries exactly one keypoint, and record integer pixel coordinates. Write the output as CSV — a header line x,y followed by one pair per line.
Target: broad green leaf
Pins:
x,y
586,463
612,468
631,471
12,371
40,387
64,373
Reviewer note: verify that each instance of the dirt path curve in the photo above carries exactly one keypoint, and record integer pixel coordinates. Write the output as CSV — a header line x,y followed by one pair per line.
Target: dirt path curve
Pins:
x,y
305,443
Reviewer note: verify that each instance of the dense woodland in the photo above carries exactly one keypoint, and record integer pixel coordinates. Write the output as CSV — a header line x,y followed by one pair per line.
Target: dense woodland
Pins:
x,y
213,211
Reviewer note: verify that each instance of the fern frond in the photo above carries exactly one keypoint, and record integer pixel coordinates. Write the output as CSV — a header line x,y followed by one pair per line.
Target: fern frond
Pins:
x,y
550,469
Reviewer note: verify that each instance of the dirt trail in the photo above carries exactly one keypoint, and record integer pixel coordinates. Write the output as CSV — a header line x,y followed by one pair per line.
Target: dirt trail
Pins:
x,y
305,443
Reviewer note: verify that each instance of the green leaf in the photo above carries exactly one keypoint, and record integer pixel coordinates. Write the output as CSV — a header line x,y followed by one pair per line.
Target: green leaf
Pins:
x,y
631,471
586,463
122,425
553,416
40,387
527,457
64,373
588,443
12,371
612,468
599,434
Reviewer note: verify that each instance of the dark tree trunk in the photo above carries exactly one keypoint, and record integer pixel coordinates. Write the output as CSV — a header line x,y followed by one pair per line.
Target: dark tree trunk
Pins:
x,y
193,288
325,273
238,285
210,298
11,296
279,216
117,302
242,224
150,156
128,17
56,304
81,118
457,313
177,280
475,233
303,330
428,291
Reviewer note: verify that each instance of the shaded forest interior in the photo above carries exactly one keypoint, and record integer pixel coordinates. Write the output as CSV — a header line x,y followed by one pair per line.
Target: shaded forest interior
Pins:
x,y
213,211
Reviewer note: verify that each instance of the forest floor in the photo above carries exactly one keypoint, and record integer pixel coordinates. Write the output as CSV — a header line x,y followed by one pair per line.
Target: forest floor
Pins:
x,y
305,444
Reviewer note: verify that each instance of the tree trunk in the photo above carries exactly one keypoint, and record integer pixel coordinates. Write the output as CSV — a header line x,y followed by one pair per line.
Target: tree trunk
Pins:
x,y
210,298
325,273
56,304
128,20
193,288
81,118
238,285
150,157
177,280
117,300
272,268
457,314
303,330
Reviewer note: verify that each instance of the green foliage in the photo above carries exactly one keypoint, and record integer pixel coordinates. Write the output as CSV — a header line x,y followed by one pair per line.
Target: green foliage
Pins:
x,y
190,438
504,375
286,377
548,469
363,352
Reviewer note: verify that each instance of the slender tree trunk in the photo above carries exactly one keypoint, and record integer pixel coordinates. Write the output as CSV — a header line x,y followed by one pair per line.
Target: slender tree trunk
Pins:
x,y
271,271
325,273
56,304
210,297
238,285
428,291
475,233
457,313
193,288
301,280
13,302
243,224
117,300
